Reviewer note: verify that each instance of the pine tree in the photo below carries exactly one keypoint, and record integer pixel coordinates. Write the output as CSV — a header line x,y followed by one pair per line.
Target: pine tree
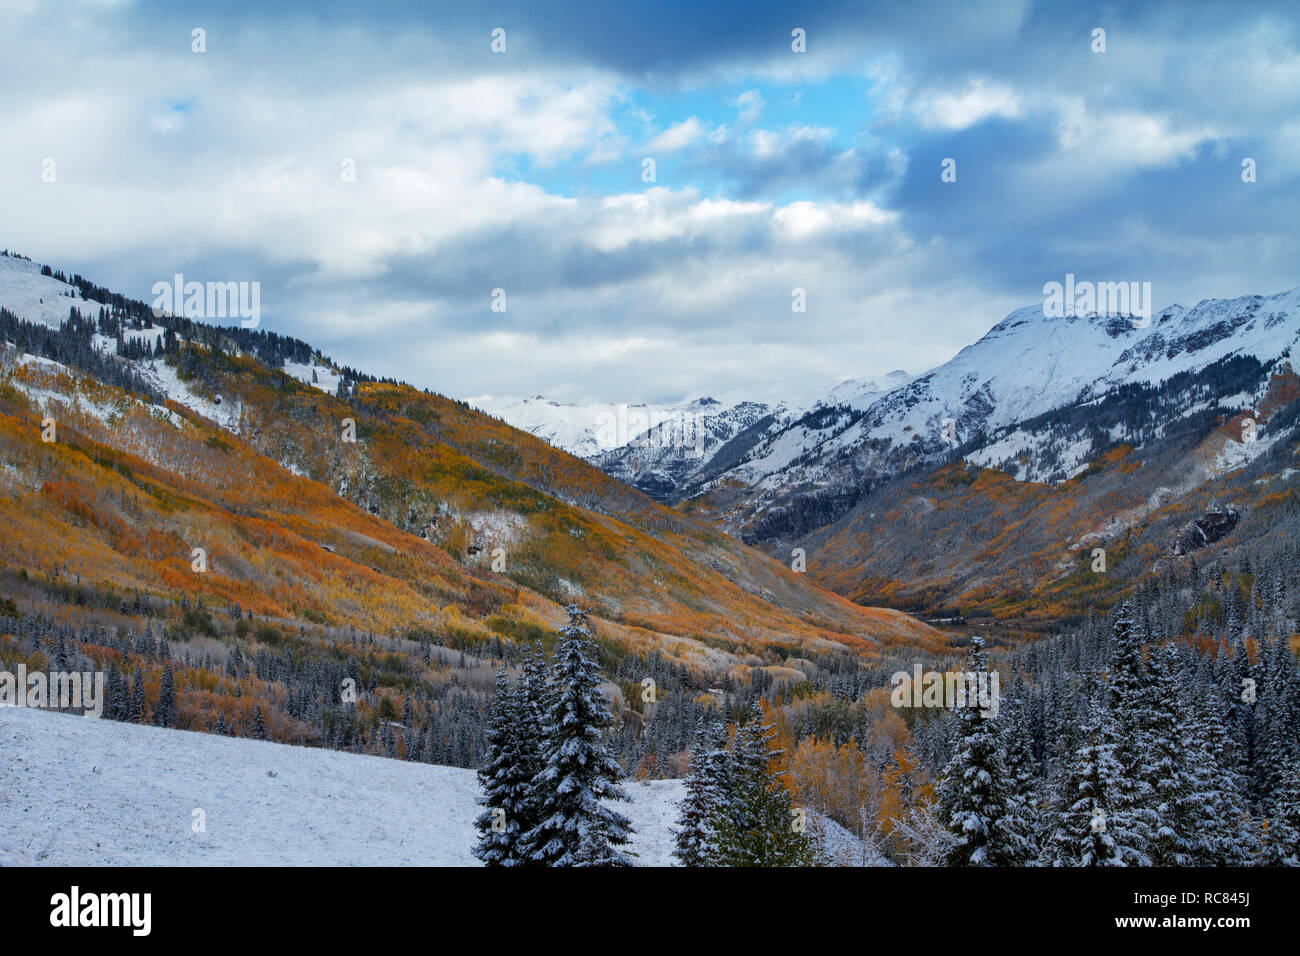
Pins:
x,y
534,699
576,828
135,713
706,789
1172,842
1215,809
1016,833
506,780
1281,841
974,802
259,724
1082,827
1130,693
758,824
165,715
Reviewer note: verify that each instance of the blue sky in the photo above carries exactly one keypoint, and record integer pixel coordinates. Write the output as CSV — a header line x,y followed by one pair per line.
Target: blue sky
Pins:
x,y
774,170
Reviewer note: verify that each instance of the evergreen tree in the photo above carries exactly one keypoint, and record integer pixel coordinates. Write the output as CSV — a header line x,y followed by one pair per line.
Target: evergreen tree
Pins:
x,y
1130,693
135,713
506,780
530,728
165,715
1281,840
259,724
1082,823
576,828
758,825
706,790
1172,842
974,802
1215,810
1015,835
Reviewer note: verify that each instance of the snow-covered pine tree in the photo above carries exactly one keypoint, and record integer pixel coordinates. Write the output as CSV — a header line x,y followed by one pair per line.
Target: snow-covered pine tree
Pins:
x,y
259,723
1131,699
758,825
576,828
1281,840
1081,824
706,791
534,696
1277,737
506,777
1218,824
1239,719
973,792
1016,834
1278,778
1172,840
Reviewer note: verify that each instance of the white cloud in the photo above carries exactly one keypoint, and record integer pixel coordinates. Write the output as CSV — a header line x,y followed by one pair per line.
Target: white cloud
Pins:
x,y
678,136
1126,139
977,101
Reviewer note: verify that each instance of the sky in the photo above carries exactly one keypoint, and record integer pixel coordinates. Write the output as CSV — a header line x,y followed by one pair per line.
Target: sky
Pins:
x,y
379,169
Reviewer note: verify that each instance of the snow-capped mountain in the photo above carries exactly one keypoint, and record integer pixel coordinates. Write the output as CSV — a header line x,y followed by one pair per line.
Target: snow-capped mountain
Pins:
x,y
585,430
700,439
39,296
860,392
985,400
658,447
671,450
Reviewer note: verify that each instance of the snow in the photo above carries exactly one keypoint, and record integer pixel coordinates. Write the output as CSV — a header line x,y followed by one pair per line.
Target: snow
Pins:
x,y
859,392
327,380
583,430
1026,365
37,298
164,378
76,791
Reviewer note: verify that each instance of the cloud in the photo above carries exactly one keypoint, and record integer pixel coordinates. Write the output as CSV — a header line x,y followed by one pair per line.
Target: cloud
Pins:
x,y
979,101
777,170
677,136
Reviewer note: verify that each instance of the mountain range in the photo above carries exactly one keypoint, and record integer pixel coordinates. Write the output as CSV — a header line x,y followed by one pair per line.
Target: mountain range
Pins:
x,y
1046,403
980,485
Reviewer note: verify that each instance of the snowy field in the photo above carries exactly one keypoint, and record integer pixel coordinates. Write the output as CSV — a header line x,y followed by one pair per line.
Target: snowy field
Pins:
x,y
86,792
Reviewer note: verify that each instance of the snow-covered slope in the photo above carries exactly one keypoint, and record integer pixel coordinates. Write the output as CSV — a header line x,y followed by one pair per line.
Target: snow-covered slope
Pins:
x,y
39,298
860,392
77,791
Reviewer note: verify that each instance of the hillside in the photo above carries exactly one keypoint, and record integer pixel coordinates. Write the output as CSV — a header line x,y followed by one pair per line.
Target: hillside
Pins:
x,y
240,451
